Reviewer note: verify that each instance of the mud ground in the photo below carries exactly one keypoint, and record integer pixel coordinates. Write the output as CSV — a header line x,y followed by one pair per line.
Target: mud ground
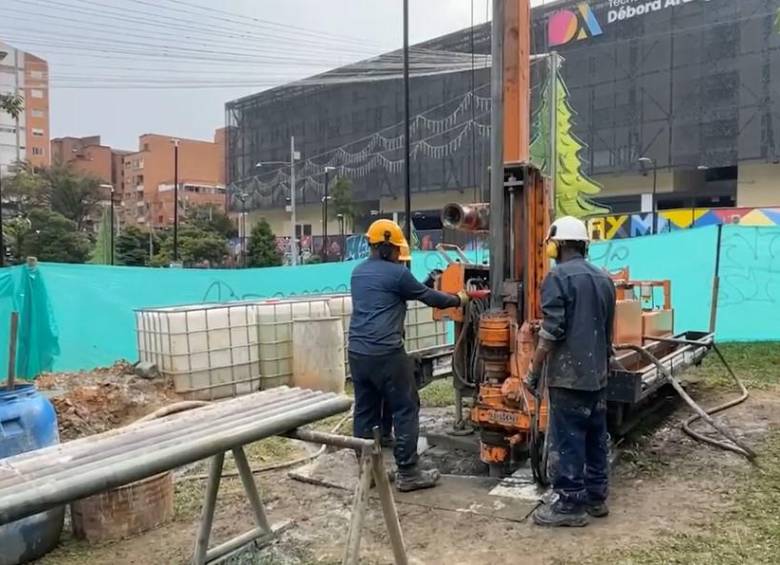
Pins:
x,y
664,483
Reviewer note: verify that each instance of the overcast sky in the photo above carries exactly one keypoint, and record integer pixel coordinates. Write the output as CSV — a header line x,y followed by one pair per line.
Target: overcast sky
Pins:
x,y
105,54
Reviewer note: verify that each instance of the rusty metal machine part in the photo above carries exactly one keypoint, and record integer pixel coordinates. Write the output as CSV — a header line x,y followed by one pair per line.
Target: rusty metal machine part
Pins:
x,y
466,217
500,342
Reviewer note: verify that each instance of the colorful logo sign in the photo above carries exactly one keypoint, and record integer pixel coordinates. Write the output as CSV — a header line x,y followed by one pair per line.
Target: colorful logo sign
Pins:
x,y
565,25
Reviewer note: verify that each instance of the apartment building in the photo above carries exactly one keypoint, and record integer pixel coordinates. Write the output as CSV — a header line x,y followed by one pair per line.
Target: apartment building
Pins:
x,y
148,187
25,138
88,156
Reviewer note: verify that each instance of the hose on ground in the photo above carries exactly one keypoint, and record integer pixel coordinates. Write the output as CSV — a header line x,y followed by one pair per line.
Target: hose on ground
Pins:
x,y
190,404
736,445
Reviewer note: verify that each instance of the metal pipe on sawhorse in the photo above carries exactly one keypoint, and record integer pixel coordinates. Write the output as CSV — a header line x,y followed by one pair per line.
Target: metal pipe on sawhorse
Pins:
x,y
371,466
60,474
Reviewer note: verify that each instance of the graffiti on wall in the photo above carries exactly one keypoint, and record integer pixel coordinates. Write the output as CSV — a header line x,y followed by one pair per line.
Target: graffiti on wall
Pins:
x,y
624,226
750,267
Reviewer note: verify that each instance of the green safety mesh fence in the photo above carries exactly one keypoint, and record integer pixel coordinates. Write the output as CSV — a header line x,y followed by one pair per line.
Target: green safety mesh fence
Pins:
x,y
93,305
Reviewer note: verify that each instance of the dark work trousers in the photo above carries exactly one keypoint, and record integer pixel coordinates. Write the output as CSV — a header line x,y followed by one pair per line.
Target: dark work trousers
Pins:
x,y
387,421
579,452
388,378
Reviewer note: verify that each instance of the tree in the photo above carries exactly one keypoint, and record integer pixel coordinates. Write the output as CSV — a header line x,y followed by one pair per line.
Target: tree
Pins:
x,y
53,237
195,246
211,218
132,247
25,191
572,186
75,197
262,250
15,231
341,198
11,104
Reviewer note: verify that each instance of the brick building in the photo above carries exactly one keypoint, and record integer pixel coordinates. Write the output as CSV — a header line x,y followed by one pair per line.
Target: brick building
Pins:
x,y
148,187
89,157
27,137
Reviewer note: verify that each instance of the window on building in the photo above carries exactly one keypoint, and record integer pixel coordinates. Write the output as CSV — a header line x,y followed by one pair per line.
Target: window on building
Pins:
x,y
6,129
38,151
37,113
139,179
37,132
36,74
302,230
36,93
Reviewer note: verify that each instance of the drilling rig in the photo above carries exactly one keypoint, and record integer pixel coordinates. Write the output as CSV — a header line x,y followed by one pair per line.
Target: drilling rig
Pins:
x,y
495,336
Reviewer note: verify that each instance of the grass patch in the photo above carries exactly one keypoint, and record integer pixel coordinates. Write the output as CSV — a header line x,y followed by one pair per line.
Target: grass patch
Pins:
x,y
438,394
748,533
188,492
757,364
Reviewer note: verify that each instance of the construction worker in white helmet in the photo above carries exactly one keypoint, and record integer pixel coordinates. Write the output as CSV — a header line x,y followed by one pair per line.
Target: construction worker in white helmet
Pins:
x,y
575,340
382,373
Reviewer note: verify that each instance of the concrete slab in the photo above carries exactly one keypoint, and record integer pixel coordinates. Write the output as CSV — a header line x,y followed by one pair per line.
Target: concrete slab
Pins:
x,y
483,496
338,469
473,495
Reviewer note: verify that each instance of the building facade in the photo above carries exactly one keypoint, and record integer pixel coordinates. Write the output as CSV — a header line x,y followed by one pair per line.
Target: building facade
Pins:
x,y
666,101
25,139
88,156
148,186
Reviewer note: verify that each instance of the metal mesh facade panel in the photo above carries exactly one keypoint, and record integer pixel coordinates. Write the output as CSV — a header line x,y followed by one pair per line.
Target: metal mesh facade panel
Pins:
x,y
692,83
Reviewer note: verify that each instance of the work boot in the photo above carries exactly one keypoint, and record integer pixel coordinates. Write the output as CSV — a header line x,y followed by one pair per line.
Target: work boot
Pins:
x,y
550,515
414,478
597,509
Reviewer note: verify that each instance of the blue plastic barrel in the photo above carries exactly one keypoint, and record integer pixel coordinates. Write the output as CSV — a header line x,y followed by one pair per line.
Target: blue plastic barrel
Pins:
x,y
27,422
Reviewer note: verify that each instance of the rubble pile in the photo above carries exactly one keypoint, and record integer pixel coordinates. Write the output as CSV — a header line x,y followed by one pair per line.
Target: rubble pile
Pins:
x,y
91,402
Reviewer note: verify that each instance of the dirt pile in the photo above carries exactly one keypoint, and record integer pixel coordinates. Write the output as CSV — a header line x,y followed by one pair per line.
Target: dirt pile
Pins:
x,y
91,402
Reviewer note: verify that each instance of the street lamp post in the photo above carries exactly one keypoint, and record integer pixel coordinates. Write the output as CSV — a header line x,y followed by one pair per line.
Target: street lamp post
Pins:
x,y
112,225
175,200
294,156
242,196
340,219
293,219
644,161
325,199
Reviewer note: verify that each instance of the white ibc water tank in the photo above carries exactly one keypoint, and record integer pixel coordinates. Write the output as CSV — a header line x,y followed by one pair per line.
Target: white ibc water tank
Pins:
x,y
341,306
318,362
275,335
209,350
421,331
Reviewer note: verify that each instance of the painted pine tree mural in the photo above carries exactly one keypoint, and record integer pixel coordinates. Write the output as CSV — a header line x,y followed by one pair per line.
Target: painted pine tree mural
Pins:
x,y
573,188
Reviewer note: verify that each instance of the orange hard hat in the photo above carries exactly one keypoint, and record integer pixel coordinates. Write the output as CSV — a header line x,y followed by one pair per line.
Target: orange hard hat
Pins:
x,y
385,231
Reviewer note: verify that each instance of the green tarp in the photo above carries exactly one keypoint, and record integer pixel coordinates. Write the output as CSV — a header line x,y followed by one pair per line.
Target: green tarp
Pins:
x,y
93,305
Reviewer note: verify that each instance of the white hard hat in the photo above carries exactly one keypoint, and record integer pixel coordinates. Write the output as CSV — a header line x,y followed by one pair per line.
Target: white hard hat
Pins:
x,y
568,228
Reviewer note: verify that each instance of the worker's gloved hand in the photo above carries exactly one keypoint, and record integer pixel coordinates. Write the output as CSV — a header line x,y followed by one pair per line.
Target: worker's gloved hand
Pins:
x,y
478,294
532,381
432,277
464,297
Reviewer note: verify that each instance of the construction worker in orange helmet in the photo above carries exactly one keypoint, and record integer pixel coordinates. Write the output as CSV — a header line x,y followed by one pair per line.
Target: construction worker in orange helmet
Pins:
x,y
381,370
